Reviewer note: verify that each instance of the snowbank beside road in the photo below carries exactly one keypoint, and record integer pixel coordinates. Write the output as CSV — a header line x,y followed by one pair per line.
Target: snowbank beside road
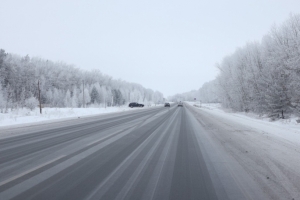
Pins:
x,y
266,151
22,116
285,128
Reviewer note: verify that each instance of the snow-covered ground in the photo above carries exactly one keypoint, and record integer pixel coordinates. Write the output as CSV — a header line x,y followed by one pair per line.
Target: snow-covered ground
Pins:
x,y
23,116
285,128
255,151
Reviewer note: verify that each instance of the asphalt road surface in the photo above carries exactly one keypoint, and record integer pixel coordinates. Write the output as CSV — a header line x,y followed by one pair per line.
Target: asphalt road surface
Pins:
x,y
156,153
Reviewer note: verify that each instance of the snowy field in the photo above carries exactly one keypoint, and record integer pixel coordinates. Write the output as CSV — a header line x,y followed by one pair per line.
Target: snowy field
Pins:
x,y
285,128
23,116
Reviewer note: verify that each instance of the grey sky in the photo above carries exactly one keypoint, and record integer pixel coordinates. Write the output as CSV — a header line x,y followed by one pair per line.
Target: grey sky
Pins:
x,y
170,46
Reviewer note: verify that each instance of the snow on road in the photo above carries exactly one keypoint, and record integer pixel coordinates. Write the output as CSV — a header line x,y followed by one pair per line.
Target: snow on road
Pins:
x,y
266,151
285,128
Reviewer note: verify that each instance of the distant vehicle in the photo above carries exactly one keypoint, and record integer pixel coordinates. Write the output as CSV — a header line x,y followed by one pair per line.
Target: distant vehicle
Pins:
x,y
167,104
180,104
135,104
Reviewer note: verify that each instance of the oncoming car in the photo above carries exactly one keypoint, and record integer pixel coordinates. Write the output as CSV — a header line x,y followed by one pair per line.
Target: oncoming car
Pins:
x,y
135,104
167,104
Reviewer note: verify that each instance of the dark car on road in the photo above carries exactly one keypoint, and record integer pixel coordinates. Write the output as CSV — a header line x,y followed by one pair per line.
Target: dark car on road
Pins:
x,y
135,104
167,104
180,104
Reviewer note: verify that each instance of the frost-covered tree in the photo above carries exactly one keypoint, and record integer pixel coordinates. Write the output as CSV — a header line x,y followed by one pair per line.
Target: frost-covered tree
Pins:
x,y
58,98
19,77
260,77
95,98
31,103
157,97
49,97
68,99
2,100
74,98
117,97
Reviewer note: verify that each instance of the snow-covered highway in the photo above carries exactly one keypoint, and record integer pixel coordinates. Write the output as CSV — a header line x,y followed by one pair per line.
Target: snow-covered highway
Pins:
x,y
156,153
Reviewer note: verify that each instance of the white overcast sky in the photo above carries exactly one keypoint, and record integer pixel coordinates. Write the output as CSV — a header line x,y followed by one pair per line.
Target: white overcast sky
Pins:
x,y
170,46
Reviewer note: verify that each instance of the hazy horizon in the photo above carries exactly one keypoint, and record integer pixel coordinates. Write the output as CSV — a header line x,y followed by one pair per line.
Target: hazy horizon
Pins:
x,y
169,46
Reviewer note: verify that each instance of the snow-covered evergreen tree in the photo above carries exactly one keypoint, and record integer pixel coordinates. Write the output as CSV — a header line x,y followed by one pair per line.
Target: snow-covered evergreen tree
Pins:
x,y
95,98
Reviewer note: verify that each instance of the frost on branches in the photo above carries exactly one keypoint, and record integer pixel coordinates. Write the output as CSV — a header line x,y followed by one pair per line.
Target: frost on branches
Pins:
x,y
263,78
63,85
